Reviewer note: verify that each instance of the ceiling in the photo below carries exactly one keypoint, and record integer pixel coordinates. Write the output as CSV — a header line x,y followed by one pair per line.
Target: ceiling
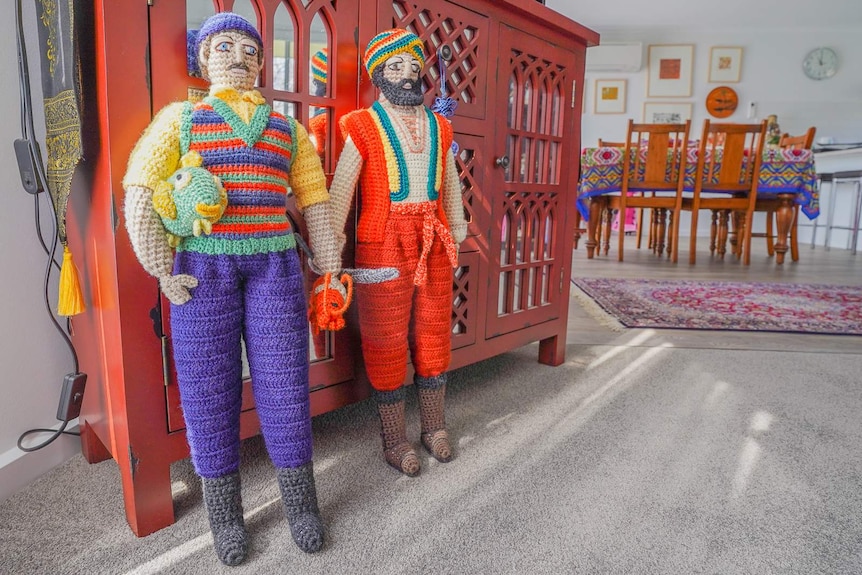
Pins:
x,y
611,15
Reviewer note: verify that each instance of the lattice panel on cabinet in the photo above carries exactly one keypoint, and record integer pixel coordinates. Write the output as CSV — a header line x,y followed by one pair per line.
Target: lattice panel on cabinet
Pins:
x,y
469,160
528,255
463,31
535,120
465,300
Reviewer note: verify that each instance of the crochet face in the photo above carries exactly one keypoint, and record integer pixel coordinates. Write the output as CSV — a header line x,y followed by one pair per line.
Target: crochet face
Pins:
x,y
232,59
398,79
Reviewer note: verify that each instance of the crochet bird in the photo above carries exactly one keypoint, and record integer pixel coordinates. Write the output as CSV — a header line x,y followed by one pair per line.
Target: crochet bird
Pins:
x,y
190,201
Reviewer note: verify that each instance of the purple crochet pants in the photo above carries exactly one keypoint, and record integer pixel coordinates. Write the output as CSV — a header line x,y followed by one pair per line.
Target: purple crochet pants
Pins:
x,y
260,297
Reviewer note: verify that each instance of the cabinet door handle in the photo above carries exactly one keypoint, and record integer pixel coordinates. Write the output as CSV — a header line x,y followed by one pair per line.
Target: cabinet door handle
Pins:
x,y
502,161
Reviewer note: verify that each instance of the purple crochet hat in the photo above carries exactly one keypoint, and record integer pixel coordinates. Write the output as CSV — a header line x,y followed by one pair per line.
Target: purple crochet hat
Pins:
x,y
222,22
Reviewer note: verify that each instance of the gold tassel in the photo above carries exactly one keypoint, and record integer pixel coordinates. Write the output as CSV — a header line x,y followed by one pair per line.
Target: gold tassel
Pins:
x,y
71,299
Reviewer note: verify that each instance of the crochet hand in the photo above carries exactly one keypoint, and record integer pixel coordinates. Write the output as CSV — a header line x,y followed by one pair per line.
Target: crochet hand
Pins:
x,y
328,303
176,288
338,286
459,233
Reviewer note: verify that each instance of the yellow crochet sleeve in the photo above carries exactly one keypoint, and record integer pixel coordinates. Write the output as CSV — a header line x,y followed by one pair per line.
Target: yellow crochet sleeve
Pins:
x,y
306,174
157,154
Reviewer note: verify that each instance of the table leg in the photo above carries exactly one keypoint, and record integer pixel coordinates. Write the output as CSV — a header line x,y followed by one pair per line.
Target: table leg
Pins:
x,y
577,230
783,217
606,230
593,226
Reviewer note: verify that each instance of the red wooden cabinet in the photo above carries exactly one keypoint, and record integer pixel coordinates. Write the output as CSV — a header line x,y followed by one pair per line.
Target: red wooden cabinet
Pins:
x,y
516,68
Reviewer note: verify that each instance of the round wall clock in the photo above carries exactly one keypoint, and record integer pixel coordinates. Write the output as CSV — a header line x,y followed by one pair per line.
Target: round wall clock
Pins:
x,y
721,102
820,63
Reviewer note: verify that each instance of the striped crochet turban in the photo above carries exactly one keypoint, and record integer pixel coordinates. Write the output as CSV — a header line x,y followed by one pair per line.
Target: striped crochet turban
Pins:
x,y
222,22
320,65
392,42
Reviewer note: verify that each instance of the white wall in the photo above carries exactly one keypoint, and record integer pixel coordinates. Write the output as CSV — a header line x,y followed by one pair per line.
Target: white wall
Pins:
x,y
32,354
771,76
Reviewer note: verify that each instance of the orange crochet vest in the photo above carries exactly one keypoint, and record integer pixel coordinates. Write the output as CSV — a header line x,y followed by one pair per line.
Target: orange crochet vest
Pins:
x,y
374,199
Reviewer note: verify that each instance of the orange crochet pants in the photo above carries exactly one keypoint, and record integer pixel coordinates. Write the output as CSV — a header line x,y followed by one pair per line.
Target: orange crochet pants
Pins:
x,y
396,314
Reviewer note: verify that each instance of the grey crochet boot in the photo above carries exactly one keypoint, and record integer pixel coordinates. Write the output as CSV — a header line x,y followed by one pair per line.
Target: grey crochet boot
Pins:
x,y
393,430
224,507
300,505
432,393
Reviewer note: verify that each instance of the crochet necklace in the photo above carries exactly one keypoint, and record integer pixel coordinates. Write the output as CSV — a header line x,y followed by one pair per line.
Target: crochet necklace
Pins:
x,y
395,160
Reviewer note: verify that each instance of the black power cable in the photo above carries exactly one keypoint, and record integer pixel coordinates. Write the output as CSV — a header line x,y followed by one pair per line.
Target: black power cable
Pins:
x,y
28,135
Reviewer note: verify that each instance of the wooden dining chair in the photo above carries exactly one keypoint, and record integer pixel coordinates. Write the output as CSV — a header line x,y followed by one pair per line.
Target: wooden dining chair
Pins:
x,y
607,219
770,205
653,175
729,173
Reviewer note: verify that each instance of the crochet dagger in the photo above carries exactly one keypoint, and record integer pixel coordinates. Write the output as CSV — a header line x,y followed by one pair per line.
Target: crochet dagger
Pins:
x,y
359,275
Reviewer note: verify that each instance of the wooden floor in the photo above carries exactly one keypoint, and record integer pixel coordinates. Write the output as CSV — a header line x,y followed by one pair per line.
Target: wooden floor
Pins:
x,y
834,267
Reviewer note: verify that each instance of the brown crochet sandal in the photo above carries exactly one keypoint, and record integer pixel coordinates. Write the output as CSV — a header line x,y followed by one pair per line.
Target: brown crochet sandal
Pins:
x,y
396,449
403,458
437,444
432,393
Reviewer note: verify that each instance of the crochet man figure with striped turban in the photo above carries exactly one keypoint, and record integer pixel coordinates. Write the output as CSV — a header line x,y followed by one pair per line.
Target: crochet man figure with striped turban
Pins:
x,y
242,281
411,217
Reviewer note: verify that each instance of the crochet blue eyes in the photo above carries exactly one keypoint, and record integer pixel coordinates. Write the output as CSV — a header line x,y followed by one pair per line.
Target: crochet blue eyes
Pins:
x,y
228,46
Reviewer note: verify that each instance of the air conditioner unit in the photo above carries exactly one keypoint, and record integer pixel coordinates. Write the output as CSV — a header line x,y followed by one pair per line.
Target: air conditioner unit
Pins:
x,y
615,57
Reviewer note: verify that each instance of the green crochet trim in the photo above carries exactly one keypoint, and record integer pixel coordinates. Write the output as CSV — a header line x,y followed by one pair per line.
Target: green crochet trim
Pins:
x,y
244,247
230,178
251,132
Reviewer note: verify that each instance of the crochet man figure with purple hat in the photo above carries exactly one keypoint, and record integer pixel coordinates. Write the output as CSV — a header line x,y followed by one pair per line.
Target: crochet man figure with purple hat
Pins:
x,y
411,217
242,281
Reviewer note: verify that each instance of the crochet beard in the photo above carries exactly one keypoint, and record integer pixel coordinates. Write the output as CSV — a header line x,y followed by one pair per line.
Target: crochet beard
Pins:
x,y
395,92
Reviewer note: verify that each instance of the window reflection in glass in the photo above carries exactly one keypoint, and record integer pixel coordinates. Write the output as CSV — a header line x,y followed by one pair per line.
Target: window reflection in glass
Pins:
x,y
196,12
284,51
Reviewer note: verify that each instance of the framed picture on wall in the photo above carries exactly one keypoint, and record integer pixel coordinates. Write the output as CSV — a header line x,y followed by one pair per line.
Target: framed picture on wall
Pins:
x,y
725,63
669,70
666,112
610,97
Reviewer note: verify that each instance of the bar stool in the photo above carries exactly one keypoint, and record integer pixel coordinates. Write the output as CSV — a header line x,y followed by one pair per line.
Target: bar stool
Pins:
x,y
824,178
853,178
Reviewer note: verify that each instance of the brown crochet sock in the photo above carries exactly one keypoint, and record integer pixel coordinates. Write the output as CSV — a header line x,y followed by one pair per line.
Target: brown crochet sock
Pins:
x,y
432,393
224,508
396,449
299,495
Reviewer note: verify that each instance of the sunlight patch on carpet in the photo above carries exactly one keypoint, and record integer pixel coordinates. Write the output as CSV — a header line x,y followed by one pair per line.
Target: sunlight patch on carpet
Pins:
x,y
719,305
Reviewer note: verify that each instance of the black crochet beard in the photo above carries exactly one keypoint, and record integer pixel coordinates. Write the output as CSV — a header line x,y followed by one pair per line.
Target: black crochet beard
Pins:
x,y
395,91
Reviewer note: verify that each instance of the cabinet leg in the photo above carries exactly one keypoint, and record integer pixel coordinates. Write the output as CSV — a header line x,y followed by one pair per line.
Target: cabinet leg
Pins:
x,y
92,448
146,492
552,350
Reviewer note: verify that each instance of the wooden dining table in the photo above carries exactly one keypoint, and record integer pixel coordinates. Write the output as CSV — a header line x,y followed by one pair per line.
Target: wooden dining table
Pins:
x,y
786,174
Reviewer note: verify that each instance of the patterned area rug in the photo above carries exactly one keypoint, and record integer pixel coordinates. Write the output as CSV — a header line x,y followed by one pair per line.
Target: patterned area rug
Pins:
x,y
739,306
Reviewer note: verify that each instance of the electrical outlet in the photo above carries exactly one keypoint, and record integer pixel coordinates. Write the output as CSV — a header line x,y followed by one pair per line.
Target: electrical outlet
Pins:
x,y
752,110
72,396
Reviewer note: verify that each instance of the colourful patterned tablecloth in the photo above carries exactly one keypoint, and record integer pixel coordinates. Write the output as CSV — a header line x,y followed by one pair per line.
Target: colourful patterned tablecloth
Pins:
x,y
781,172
